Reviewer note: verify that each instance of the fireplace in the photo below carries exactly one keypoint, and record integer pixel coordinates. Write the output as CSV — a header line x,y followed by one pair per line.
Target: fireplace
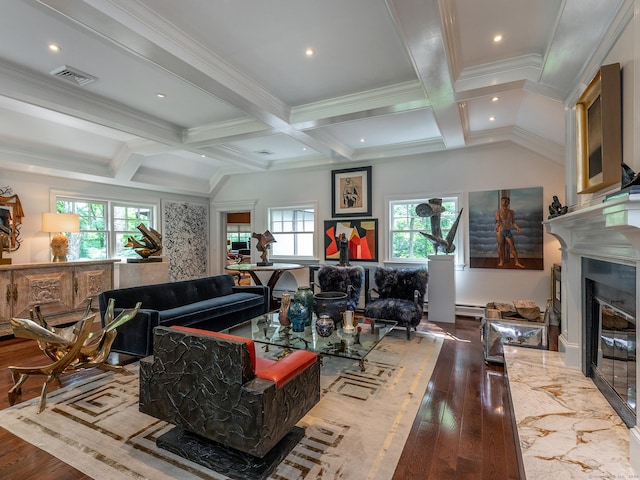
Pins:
x,y
610,333
600,247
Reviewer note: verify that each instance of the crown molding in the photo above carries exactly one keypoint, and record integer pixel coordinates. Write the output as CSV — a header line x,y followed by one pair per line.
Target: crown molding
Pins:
x,y
525,67
399,97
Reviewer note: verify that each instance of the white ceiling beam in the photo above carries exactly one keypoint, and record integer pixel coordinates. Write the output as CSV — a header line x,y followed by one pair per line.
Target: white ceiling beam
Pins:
x,y
419,25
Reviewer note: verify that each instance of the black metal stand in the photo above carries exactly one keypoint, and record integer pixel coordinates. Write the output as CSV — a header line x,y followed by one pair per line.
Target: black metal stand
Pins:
x,y
228,461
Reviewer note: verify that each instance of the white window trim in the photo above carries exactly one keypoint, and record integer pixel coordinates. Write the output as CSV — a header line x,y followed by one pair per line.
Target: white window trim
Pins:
x,y
459,254
316,231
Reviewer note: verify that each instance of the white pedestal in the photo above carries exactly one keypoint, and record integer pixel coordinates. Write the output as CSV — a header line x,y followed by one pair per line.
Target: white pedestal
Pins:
x,y
441,291
136,274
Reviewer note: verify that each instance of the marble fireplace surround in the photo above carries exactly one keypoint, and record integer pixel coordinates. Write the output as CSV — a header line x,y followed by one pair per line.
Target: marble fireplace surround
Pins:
x,y
607,231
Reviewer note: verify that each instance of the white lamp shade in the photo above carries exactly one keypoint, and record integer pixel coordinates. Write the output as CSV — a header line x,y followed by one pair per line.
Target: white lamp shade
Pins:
x,y
60,222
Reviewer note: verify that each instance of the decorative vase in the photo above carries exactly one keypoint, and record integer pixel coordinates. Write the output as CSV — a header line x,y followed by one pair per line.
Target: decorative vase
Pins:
x,y
325,325
298,314
283,313
333,304
305,295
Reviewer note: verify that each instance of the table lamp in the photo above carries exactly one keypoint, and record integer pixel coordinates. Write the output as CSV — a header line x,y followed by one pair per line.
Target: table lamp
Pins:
x,y
58,223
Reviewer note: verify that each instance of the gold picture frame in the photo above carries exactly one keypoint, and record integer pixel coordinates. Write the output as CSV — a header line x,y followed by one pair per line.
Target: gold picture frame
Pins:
x,y
598,131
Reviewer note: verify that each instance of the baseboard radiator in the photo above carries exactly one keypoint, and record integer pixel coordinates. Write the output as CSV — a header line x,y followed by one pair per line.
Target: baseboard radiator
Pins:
x,y
465,310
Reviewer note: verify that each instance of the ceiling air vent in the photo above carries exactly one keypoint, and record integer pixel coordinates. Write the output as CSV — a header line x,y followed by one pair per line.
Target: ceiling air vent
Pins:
x,y
73,75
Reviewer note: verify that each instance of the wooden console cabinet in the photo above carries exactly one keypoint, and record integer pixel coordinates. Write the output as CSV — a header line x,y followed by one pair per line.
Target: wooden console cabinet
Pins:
x,y
61,289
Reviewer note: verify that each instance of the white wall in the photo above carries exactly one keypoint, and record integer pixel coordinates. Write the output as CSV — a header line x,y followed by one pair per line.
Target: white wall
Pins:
x,y
493,167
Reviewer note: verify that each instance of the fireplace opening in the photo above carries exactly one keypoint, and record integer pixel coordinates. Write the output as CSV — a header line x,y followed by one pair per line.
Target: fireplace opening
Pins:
x,y
610,333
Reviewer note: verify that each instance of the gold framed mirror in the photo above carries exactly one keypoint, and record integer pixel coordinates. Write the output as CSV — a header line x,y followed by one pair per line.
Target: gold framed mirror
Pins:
x,y
11,214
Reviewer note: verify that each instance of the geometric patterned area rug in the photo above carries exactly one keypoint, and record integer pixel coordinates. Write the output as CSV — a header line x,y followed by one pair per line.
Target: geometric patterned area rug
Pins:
x,y
356,431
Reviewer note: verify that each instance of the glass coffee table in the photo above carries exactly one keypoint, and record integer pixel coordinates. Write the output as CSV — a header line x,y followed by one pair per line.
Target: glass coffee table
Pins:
x,y
355,346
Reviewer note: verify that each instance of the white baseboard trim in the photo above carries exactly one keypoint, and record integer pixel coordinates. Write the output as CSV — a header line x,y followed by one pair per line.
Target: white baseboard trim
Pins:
x,y
570,352
634,449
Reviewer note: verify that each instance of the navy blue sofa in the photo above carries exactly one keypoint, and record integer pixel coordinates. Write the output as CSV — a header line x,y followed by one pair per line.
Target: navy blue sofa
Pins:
x,y
210,303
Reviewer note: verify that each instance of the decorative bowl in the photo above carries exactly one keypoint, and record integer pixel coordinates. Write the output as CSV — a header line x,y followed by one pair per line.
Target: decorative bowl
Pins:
x,y
333,304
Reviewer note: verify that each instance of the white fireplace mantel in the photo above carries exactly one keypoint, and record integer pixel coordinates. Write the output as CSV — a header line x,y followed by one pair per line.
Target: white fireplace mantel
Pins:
x,y
608,230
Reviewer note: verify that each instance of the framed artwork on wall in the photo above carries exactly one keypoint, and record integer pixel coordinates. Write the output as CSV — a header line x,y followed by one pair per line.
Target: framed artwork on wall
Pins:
x,y
599,131
351,192
362,236
505,229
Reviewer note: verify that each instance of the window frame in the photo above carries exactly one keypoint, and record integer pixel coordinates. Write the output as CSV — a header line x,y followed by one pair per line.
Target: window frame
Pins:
x,y
300,206
458,254
109,219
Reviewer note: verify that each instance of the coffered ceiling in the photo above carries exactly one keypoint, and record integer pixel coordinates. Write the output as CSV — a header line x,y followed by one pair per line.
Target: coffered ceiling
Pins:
x,y
384,79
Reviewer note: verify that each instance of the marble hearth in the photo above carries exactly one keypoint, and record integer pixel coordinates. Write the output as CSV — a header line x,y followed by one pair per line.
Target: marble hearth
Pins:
x,y
604,233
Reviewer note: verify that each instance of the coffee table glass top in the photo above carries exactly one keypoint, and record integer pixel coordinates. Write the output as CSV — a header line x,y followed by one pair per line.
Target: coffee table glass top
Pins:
x,y
266,329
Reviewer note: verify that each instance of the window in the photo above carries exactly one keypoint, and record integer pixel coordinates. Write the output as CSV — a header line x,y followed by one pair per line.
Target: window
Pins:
x,y
104,227
126,219
407,243
294,231
238,232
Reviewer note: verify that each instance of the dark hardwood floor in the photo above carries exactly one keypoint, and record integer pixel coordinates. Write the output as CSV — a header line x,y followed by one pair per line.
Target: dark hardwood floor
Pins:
x,y
463,430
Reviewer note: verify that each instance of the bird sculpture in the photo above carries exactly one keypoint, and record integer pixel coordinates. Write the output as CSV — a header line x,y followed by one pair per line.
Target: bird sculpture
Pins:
x,y
433,210
446,244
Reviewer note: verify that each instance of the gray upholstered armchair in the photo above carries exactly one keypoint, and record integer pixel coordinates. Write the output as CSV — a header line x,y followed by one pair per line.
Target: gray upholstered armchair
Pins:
x,y
214,385
342,279
400,296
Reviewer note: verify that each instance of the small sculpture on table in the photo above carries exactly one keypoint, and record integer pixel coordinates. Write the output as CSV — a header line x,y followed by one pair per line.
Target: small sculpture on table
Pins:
x,y
264,245
556,209
343,249
432,210
149,247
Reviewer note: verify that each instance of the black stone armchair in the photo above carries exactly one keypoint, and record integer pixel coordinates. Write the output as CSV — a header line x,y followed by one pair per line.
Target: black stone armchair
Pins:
x,y
400,296
214,385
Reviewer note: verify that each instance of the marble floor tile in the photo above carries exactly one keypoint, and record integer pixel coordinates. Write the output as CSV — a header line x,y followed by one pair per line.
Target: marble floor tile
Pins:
x,y
566,427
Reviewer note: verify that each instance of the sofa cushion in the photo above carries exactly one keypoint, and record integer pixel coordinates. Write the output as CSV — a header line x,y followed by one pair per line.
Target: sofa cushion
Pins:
x,y
164,296
287,367
196,312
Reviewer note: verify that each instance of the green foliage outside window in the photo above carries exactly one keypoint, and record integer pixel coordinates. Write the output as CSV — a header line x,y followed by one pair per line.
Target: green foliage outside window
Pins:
x,y
97,232
406,239
91,242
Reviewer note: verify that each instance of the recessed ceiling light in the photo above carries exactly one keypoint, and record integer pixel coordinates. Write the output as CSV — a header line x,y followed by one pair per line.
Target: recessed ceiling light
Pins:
x,y
362,140
304,149
492,118
495,99
55,48
161,95
497,38
309,52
